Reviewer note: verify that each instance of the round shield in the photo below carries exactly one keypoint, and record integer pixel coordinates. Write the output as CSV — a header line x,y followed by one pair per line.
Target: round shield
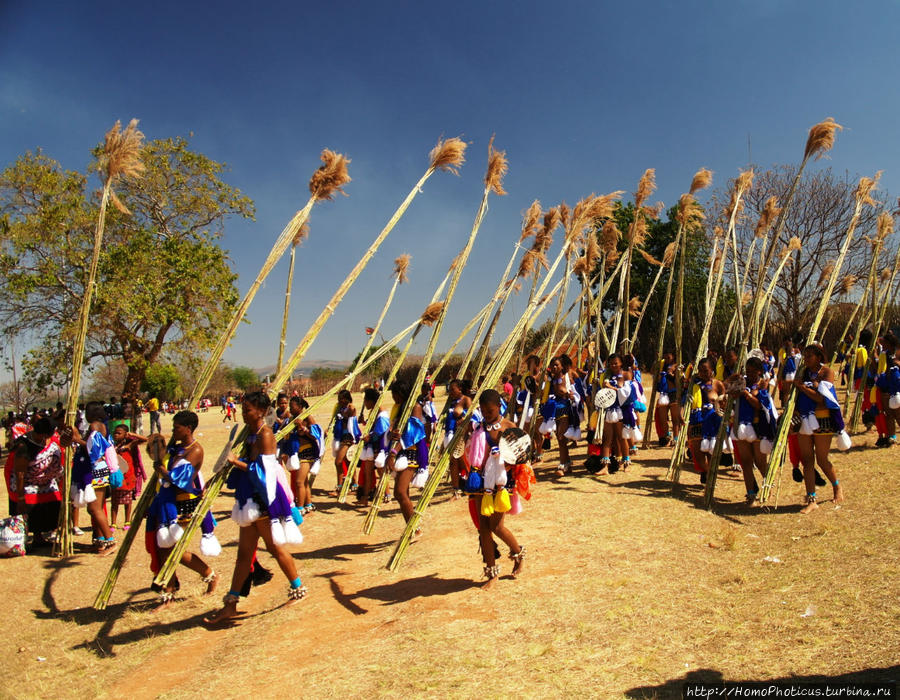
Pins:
x,y
514,445
604,398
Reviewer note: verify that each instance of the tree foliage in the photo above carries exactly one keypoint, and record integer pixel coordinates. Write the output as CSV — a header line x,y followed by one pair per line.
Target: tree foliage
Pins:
x,y
244,378
162,381
164,282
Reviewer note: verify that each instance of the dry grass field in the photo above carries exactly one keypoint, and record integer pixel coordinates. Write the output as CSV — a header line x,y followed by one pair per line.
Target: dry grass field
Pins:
x,y
630,588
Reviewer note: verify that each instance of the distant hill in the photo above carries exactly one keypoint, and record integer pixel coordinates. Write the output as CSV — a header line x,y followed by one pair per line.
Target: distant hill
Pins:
x,y
306,367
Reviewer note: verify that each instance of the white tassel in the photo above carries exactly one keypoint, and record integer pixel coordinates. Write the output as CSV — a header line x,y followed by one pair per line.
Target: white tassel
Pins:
x,y
380,459
210,546
894,401
573,433
316,466
400,463
614,415
164,538
176,532
292,533
420,479
278,536
809,425
765,446
663,400
293,463
706,445
844,442
746,433
548,426
638,434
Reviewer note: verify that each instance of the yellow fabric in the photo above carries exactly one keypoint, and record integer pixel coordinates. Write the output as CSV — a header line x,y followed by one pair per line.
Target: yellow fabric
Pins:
x,y
501,501
487,505
720,369
696,395
153,404
882,363
862,357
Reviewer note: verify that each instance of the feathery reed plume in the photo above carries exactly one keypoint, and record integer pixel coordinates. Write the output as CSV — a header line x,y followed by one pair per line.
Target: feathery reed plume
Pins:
x,y
527,264
702,180
825,275
767,217
639,232
646,186
746,298
564,214
531,220
689,211
592,252
120,157
794,243
301,235
330,177
653,211
863,191
401,266
634,306
847,283
121,153
745,179
431,313
580,267
448,155
885,226
498,165
718,232
669,254
609,238
649,258
821,138
885,274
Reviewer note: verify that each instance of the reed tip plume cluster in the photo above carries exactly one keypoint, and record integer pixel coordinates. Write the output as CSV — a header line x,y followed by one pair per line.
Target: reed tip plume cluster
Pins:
x,y
646,186
122,151
301,235
564,214
689,211
702,180
669,254
609,238
401,266
864,189
496,169
886,274
531,220
649,258
527,264
638,231
885,226
746,297
330,177
745,180
718,232
455,262
826,274
794,243
767,216
846,284
821,138
432,313
634,306
448,155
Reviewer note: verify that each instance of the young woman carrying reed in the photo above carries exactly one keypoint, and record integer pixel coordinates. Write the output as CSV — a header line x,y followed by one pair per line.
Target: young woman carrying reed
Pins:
x,y
703,424
754,424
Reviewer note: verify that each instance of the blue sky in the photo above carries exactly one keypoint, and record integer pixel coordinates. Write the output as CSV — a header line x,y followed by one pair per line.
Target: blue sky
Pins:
x,y
583,96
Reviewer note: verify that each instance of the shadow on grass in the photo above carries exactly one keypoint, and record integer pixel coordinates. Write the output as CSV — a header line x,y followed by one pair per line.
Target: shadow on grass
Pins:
x,y
675,687
397,592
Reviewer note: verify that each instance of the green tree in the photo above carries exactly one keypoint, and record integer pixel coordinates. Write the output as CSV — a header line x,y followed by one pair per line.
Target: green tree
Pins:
x,y
161,381
164,282
244,378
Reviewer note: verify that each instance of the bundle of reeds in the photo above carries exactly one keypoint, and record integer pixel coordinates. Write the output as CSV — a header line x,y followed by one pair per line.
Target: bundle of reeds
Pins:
x,y
119,157
862,197
498,364
448,155
741,185
497,167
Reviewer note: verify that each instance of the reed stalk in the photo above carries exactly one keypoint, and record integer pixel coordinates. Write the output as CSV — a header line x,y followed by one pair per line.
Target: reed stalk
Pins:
x,y
301,234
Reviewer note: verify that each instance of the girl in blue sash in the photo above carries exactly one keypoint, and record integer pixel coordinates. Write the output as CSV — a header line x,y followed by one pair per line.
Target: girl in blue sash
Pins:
x,y
703,425
755,420
408,456
820,420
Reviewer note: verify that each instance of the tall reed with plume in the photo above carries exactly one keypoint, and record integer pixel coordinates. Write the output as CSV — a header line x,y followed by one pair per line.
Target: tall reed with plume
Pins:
x,y
298,239
120,157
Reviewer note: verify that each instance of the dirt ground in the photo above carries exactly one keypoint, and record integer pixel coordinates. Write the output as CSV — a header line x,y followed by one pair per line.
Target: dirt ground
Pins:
x,y
630,588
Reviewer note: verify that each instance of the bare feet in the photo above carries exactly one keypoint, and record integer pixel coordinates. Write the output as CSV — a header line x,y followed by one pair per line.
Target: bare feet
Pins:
x,y
212,581
228,612
107,549
165,599
809,507
489,584
519,565
838,494
491,573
